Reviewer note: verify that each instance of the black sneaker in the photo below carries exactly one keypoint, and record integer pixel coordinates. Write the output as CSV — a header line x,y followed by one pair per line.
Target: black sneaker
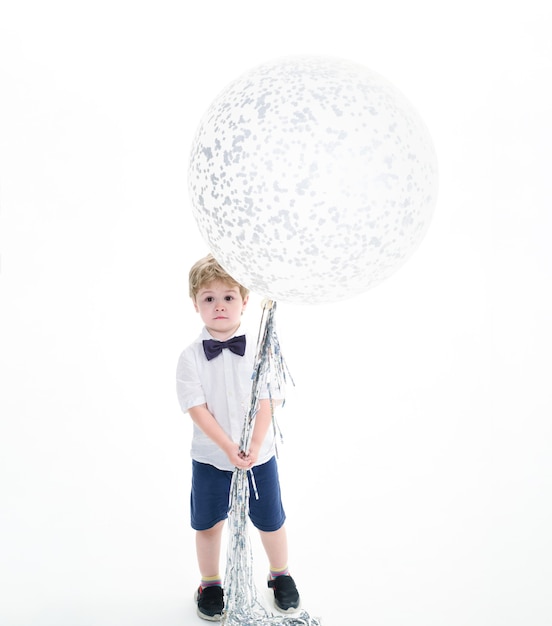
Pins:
x,y
286,596
210,603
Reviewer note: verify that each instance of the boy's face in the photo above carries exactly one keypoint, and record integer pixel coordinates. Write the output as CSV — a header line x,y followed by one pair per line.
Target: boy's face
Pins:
x,y
220,306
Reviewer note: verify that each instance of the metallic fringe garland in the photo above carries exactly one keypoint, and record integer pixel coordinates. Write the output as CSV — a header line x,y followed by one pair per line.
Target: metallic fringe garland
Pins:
x,y
243,607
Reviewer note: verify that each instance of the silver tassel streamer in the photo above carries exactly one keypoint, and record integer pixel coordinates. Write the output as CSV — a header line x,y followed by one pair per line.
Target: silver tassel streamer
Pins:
x,y
243,607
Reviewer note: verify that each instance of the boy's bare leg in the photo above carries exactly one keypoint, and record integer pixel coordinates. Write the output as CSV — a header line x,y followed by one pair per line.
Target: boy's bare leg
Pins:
x,y
208,544
276,547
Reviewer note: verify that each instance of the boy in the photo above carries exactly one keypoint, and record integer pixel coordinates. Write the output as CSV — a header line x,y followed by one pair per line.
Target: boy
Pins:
x,y
214,387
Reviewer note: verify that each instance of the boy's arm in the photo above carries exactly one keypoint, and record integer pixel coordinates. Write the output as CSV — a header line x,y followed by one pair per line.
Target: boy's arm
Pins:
x,y
203,418
263,421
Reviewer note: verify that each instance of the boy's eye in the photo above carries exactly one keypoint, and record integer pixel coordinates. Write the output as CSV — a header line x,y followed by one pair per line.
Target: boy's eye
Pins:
x,y
209,299
228,298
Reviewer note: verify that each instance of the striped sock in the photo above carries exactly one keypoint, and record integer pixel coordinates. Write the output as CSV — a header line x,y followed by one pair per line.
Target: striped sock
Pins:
x,y
274,573
211,581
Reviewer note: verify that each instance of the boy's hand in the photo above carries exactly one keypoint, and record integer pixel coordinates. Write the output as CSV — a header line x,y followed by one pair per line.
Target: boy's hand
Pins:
x,y
252,455
238,458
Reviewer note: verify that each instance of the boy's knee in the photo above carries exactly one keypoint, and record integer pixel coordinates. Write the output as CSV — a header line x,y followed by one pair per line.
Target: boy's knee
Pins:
x,y
214,530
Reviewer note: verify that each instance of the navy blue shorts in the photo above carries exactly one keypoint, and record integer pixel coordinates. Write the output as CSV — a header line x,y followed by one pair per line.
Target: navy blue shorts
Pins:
x,y
210,496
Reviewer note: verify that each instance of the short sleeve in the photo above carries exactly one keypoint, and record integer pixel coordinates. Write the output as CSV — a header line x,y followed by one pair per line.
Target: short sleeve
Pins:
x,y
188,385
273,387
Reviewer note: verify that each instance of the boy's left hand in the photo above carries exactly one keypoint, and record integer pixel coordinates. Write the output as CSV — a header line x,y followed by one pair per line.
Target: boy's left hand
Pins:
x,y
251,456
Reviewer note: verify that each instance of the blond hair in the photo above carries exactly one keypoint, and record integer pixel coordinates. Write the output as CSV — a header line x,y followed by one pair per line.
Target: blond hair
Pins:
x,y
206,271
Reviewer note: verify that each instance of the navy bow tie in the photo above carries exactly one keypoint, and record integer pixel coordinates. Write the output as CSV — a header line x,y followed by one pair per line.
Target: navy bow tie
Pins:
x,y
213,348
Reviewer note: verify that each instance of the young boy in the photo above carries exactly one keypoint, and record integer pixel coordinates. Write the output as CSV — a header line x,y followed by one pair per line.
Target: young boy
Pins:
x,y
214,387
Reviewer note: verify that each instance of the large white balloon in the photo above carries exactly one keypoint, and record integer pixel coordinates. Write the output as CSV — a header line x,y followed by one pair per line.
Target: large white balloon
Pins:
x,y
312,179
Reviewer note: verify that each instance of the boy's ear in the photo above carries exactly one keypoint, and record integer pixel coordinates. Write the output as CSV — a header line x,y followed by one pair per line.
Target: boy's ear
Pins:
x,y
245,301
195,305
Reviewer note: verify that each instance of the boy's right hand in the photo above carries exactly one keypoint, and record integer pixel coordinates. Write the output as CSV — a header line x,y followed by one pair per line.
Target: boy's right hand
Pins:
x,y
206,421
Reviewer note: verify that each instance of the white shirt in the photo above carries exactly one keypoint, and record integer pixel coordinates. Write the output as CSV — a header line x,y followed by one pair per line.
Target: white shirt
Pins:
x,y
224,385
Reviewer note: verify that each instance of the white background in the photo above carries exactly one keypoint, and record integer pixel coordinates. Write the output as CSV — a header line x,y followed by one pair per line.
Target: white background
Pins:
x,y
417,465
